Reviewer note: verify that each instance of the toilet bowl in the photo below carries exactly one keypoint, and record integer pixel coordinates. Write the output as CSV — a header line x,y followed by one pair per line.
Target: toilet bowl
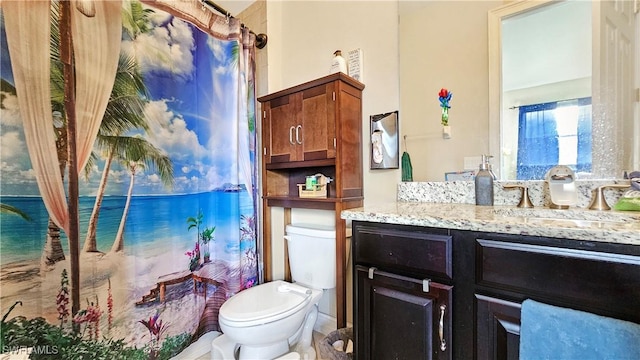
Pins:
x,y
266,319
276,319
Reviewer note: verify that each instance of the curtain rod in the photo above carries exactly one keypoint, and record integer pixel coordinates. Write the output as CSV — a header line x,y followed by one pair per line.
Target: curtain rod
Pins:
x,y
261,39
557,101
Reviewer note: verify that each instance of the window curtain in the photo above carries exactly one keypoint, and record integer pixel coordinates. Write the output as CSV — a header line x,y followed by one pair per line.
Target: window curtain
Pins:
x,y
537,141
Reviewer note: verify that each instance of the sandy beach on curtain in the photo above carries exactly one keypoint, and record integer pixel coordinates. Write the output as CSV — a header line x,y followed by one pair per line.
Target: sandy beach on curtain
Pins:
x,y
131,278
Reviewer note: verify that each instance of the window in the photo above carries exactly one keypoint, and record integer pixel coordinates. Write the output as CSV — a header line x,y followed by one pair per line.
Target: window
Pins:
x,y
554,133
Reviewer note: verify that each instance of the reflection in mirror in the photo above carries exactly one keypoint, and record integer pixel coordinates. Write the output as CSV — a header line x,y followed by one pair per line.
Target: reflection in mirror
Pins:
x,y
561,89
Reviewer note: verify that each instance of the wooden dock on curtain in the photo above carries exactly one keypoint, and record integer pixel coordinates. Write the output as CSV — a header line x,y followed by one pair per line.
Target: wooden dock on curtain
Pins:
x,y
207,274
214,273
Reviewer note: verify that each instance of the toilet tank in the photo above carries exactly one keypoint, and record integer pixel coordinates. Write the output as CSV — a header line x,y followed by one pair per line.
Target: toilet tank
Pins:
x,y
312,255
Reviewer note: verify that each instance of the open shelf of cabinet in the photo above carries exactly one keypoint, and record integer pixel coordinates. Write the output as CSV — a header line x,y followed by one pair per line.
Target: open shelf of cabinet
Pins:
x,y
313,128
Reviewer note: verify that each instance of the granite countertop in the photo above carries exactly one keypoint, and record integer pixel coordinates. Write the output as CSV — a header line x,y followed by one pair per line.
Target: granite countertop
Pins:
x,y
580,224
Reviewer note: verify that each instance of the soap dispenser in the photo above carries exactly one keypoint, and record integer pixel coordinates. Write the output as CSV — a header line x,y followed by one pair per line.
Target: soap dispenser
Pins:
x,y
484,182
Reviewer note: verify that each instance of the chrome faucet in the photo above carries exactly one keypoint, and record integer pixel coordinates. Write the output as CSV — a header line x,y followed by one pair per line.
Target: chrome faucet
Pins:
x,y
598,202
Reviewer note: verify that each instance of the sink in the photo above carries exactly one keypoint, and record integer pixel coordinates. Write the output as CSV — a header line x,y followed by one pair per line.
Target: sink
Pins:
x,y
577,217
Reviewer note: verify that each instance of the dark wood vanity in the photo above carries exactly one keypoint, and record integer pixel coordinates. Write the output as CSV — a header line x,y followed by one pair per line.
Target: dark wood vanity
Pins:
x,y
435,293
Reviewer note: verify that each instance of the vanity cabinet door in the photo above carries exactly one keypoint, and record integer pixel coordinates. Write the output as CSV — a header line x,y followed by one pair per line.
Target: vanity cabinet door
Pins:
x,y
497,329
399,317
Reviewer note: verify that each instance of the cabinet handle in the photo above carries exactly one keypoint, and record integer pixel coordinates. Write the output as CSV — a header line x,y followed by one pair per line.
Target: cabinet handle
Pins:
x,y
443,343
425,285
372,270
298,129
291,136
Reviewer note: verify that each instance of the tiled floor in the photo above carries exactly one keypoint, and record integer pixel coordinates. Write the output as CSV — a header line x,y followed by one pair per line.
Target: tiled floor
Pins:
x,y
205,342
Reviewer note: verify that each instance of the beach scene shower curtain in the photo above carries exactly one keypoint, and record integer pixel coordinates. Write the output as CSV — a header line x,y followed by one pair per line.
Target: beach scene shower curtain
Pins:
x,y
164,132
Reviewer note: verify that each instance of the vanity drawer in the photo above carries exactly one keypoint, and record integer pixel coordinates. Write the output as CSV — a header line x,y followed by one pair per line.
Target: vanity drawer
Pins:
x,y
404,250
559,273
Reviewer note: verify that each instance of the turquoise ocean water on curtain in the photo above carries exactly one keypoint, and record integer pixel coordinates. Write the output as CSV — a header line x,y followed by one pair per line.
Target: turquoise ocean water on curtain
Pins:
x,y
21,242
202,119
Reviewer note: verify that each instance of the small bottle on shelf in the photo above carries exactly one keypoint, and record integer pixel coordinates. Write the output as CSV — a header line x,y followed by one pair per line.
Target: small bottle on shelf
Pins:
x,y
339,64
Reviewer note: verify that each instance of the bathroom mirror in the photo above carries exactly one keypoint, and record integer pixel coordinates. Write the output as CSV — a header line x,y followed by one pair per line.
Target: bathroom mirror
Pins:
x,y
561,88
457,44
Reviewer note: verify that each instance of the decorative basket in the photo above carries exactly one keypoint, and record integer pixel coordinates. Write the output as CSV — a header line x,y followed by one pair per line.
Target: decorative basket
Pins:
x,y
319,190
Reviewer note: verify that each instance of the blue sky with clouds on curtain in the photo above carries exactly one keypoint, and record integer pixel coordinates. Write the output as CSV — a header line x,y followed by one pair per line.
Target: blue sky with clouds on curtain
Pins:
x,y
189,119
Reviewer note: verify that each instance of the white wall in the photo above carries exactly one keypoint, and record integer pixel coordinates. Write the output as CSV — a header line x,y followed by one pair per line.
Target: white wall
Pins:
x,y
447,48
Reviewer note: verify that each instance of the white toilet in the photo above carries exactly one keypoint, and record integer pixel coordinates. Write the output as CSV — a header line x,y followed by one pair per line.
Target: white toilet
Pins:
x,y
275,320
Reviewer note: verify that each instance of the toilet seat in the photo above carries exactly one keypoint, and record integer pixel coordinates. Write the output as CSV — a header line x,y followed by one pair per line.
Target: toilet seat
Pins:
x,y
264,303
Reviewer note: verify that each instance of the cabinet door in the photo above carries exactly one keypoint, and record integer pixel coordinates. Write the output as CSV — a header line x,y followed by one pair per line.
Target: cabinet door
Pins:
x,y
396,318
317,122
498,329
279,129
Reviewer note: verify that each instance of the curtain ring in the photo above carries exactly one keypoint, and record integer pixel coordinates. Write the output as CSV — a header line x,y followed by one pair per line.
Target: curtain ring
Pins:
x,y
227,17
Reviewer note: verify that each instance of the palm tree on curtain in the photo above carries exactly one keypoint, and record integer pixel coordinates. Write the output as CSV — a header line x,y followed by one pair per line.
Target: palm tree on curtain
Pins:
x,y
52,251
8,209
124,112
127,110
135,18
140,154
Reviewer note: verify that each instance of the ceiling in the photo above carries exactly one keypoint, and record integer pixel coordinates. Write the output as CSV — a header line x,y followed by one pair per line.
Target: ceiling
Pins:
x,y
234,6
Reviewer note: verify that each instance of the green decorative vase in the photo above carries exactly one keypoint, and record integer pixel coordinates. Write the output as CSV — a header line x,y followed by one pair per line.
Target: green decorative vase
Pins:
x,y
445,116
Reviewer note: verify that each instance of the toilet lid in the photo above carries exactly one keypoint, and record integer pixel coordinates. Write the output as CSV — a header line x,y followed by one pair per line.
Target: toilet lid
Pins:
x,y
264,301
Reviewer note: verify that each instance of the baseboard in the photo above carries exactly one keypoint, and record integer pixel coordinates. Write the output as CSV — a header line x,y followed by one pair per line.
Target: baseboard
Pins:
x,y
326,323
